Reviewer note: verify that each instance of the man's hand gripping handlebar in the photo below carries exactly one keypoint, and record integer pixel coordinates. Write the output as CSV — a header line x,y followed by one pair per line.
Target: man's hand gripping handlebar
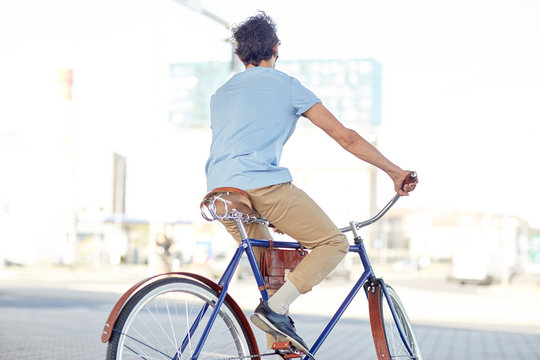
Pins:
x,y
408,183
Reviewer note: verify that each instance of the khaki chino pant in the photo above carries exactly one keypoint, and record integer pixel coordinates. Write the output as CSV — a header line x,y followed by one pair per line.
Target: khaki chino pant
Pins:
x,y
294,213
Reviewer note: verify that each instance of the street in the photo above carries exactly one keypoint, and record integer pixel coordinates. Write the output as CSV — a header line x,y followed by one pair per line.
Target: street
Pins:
x,y
59,314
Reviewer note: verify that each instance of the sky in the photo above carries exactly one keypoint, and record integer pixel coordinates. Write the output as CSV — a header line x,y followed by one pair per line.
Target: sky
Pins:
x,y
461,83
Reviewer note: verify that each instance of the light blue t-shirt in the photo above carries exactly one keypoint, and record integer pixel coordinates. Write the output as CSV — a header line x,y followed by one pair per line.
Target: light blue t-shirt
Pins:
x,y
252,117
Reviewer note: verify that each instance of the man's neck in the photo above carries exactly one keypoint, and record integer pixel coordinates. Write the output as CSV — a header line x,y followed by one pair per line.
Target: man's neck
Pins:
x,y
264,63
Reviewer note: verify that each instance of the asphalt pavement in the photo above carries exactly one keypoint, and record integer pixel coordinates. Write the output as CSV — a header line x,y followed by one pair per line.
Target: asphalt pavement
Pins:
x,y
58,313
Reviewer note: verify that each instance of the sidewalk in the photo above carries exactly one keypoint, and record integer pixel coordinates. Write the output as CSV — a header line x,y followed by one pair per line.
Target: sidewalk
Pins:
x,y
63,311
429,299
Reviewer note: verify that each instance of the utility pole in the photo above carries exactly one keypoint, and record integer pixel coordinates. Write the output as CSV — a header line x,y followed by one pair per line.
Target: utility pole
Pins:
x,y
196,6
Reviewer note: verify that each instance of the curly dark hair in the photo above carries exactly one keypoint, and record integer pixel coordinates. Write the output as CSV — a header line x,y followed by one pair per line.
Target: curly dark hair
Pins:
x,y
254,39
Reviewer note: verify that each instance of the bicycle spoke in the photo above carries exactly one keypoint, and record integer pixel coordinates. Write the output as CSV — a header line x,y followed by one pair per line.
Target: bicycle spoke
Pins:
x,y
140,335
188,334
158,323
395,342
144,344
140,356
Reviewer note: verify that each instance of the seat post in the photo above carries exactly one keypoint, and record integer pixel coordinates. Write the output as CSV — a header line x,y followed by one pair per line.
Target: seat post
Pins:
x,y
241,229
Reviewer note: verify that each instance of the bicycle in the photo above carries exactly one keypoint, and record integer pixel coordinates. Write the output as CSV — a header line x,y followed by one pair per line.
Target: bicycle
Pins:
x,y
183,315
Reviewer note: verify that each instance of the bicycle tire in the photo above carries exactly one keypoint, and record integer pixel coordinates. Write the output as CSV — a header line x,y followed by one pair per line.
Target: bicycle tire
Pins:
x,y
389,344
154,324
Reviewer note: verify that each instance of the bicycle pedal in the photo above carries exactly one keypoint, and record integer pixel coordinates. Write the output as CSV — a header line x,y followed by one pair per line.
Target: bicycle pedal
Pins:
x,y
292,355
283,346
286,350
289,355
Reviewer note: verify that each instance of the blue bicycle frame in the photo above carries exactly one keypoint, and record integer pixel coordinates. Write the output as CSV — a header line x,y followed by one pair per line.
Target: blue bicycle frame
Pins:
x,y
246,246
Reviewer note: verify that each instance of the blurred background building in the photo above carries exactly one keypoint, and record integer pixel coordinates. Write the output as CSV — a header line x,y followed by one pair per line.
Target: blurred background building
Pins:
x,y
104,133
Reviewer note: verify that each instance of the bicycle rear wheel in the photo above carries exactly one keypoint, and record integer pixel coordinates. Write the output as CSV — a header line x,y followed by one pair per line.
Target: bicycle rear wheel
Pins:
x,y
390,342
155,324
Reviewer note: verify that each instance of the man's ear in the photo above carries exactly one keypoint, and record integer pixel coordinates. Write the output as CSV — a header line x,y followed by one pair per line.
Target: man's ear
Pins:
x,y
275,49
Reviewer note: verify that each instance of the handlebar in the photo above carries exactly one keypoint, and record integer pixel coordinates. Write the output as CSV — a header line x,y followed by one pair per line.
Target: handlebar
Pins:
x,y
357,225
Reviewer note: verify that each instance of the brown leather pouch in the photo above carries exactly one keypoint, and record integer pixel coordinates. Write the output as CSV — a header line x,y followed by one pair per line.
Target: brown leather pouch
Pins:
x,y
276,264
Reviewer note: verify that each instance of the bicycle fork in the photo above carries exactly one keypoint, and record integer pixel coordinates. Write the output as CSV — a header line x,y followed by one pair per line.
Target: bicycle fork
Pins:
x,y
370,287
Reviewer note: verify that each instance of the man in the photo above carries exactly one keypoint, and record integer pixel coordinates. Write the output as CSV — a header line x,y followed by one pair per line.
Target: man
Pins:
x,y
252,116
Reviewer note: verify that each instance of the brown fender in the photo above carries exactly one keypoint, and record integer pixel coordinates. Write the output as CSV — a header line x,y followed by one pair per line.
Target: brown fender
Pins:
x,y
375,318
111,320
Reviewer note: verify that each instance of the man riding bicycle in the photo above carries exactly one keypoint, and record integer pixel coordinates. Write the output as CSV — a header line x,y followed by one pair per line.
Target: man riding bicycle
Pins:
x,y
252,116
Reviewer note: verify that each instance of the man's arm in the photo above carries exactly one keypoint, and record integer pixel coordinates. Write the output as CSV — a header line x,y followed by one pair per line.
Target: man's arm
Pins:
x,y
351,141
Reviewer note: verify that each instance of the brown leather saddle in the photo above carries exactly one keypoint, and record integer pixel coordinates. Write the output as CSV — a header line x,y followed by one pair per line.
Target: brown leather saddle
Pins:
x,y
223,200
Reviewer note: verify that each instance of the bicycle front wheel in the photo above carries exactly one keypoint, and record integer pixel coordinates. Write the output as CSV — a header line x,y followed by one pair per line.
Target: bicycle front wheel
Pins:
x,y
394,337
165,320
